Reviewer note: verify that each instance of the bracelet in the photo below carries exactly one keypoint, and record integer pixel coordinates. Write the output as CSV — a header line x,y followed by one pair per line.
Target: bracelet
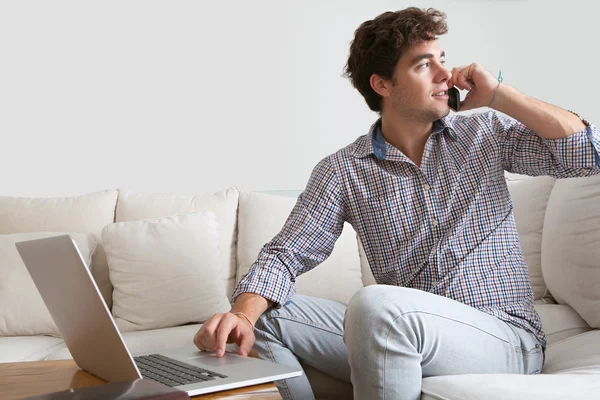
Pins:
x,y
500,79
495,91
245,316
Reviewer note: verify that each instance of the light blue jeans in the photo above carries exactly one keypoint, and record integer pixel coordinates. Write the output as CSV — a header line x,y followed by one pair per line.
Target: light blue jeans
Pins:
x,y
389,339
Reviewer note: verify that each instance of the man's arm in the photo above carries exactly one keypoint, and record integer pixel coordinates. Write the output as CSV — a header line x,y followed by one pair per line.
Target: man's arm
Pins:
x,y
546,120
305,241
536,138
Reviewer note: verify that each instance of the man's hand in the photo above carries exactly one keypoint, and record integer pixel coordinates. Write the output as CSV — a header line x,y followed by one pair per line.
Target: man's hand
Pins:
x,y
225,328
480,83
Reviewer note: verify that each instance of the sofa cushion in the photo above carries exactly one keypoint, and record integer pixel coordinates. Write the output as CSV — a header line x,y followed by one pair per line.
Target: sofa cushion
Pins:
x,y
560,322
530,196
165,271
571,246
22,310
261,217
87,213
28,348
146,342
510,387
134,206
577,354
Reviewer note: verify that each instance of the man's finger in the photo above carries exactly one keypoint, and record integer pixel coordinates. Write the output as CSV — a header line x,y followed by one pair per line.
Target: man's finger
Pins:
x,y
228,323
246,342
207,333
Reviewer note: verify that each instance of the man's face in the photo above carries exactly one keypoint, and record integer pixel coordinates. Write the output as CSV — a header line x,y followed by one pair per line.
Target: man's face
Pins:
x,y
420,83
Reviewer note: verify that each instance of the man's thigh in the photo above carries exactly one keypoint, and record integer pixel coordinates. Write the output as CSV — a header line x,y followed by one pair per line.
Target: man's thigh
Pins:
x,y
451,337
312,328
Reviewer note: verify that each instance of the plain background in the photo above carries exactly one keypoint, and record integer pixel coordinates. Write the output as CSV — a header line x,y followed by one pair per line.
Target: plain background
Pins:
x,y
197,96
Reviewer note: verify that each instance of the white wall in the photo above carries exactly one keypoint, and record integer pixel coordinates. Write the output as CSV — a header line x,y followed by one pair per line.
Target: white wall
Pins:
x,y
192,96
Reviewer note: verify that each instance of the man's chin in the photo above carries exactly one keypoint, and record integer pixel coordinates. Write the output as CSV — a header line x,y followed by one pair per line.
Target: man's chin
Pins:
x,y
434,115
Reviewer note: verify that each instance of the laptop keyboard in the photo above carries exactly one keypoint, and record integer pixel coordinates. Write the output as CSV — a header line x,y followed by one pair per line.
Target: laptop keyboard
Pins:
x,y
171,372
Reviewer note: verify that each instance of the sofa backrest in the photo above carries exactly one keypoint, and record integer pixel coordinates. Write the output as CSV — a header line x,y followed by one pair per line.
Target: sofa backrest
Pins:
x,y
88,213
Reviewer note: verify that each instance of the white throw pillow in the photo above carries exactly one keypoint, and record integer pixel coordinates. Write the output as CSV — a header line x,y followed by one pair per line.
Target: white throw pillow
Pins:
x,y
22,310
134,206
261,217
571,246
530,198
166,271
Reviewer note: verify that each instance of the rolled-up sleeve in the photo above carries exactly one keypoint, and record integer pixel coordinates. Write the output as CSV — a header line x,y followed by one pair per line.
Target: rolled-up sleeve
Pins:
x,y
524,152
305,241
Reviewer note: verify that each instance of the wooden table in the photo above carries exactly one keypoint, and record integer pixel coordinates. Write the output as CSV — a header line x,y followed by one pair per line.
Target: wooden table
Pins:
x,y
23,379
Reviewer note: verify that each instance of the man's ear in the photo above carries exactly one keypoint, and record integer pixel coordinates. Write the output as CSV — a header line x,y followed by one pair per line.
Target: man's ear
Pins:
x,y
380,85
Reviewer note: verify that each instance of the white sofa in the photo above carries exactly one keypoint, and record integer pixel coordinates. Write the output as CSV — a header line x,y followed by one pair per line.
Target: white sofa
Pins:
x,y
559,228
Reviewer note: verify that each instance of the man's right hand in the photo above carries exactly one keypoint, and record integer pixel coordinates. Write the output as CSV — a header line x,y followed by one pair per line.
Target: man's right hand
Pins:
x,y
225,328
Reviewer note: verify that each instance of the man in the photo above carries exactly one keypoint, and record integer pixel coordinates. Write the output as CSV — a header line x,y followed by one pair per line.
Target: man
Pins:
x,y
426,194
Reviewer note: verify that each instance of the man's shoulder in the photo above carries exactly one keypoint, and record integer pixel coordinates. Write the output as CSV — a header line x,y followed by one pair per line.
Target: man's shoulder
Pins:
x,y
352,150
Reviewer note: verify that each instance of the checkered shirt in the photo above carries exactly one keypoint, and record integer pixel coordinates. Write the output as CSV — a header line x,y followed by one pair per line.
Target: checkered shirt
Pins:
x,y
446,227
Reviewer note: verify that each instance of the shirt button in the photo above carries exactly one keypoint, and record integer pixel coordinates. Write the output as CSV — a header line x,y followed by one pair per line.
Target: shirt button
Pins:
x,y
434,222
426,187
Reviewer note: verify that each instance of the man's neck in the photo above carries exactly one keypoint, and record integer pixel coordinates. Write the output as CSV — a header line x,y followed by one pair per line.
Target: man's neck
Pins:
x,y
408,136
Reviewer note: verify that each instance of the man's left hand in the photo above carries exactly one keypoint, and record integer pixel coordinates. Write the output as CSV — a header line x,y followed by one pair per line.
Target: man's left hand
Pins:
x,y
480,83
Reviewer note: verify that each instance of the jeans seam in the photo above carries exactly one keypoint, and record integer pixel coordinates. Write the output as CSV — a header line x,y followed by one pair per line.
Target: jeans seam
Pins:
x,y
283,383
457,321
310,323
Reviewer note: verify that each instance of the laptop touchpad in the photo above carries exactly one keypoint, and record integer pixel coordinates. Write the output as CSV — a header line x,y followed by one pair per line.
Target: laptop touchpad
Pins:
x,y
217,362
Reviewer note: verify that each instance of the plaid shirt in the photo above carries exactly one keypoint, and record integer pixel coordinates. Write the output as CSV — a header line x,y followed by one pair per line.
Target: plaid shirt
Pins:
x,y
446,227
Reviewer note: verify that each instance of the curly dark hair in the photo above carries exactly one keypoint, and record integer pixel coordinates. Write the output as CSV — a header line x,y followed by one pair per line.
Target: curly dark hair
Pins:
x,y
378,45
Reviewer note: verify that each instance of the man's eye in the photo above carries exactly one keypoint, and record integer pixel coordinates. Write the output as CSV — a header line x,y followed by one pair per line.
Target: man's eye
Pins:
x,y
424,65
443,62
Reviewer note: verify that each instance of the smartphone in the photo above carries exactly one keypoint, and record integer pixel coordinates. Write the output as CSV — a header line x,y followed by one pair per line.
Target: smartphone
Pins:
x,y
454,98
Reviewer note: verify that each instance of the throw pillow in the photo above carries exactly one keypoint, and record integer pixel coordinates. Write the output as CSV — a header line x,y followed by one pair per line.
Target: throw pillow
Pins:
x,y
165,271
22,310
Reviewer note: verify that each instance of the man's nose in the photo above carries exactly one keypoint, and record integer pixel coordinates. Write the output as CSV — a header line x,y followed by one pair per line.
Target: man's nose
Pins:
x,y
444,74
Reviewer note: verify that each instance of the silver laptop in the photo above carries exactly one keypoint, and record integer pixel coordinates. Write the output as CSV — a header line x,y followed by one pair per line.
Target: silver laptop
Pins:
x,y
82,317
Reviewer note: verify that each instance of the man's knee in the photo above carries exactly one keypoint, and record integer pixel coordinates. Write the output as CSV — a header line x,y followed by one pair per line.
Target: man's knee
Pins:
x,y
374,307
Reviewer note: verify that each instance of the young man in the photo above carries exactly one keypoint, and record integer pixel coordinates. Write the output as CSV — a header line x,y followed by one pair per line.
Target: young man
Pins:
x,y
426,194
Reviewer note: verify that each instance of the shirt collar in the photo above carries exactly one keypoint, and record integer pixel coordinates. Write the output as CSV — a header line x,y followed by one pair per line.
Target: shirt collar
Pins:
x,y
374,142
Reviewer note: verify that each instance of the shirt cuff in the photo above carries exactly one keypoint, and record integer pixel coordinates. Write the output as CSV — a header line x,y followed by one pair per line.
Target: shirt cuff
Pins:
x,y
579,150
273,287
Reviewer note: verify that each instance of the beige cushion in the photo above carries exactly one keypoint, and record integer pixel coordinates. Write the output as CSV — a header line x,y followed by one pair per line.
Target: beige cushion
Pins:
x,y
28,348
165,271
530,197
87,213
145,342
511,387
134,206
560,322
576,354
22,310
571,246
261,217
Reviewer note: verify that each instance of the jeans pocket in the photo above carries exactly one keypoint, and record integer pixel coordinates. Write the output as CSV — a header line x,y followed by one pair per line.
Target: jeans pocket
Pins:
x,y
532,353
530,349
533,362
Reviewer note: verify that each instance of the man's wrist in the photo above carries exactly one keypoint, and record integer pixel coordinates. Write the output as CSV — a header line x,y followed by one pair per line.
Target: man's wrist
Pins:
x,y
243,316
502,98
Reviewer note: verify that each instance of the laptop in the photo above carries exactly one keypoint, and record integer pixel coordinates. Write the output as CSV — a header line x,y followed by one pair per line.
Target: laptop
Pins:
x,y
89,331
